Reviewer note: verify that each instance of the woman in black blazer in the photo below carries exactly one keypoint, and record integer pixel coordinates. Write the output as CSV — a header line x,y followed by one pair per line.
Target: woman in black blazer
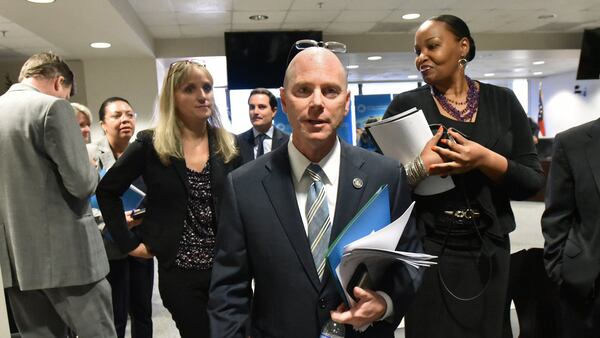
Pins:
x,y
491,161
184,162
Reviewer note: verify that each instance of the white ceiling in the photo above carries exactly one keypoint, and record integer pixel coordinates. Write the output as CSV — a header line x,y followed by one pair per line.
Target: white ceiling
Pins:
x,y
503,64
135,27
189,18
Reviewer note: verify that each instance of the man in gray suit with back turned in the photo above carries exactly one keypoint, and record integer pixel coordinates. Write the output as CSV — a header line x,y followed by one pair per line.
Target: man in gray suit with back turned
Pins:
x,y
51,253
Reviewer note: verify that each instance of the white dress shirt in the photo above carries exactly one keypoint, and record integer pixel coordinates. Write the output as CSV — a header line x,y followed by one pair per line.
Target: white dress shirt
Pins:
x,y
330,164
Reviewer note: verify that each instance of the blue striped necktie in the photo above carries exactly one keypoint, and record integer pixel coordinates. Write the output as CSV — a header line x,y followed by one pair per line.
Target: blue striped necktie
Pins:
x,y
317,218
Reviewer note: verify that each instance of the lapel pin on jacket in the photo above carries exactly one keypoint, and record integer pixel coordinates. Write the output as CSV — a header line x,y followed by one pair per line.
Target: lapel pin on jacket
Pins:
x,y
357,183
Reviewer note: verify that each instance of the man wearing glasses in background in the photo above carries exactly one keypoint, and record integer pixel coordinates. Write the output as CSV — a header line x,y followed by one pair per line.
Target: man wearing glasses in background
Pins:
x,y
53,261
266,233
263,136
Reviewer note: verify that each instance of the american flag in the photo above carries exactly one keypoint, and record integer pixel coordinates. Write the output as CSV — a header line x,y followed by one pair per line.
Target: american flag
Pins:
x,y
541,113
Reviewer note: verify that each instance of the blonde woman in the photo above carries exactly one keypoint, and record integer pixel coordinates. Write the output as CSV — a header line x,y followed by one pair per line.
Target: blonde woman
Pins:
x,y
84,120
184,162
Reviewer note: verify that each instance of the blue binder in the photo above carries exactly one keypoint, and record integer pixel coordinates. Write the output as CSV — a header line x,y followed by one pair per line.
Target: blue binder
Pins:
x,y
131,198
373,216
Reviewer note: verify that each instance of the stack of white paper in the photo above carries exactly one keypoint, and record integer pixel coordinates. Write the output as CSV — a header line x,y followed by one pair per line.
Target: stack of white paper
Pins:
x,y
377,252
403,137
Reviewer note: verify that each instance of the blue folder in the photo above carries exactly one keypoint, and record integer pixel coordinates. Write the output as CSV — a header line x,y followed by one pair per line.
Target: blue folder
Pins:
x,y
131,198
373,216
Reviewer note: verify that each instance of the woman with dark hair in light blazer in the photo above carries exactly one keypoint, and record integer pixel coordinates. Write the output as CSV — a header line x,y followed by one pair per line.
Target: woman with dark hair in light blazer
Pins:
x,y
184,162
131,278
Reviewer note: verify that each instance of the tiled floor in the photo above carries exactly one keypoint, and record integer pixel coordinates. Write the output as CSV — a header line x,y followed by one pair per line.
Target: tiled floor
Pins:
x,y
527,235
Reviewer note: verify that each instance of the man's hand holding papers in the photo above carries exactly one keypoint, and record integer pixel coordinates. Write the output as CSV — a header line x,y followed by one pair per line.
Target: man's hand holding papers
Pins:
x,y
371,239
377,251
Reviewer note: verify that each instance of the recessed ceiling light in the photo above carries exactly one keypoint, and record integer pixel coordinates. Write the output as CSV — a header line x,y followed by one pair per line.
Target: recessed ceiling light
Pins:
x,y
547,16
489,74
516,70
538,62
258,17
41,1
100,45
352,66
411,16
413,76
374,58
538,73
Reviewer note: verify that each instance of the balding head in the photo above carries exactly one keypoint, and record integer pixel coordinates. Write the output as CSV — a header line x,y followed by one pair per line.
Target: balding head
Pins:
x,y
316,99
314,55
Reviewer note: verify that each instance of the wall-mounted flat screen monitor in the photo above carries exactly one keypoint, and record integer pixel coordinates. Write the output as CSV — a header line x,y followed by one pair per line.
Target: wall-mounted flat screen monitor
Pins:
x,y
258,59
589,60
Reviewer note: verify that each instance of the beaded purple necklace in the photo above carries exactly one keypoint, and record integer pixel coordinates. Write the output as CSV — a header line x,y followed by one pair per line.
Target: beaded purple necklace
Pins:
x,y
472,102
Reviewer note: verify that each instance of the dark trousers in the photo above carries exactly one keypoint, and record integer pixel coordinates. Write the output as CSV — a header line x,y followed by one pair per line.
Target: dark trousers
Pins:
x,y
535,295
580,318
185,294
131,280
11,320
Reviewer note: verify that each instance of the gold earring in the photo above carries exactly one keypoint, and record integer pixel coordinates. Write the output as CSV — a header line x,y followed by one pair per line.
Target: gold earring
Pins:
x,y
462,62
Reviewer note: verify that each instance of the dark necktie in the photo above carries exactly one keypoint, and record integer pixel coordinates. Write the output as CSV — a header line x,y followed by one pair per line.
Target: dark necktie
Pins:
x,y
317,218
260,150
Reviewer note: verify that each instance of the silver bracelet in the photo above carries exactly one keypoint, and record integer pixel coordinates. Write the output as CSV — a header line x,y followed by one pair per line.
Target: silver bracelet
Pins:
x,y
415,171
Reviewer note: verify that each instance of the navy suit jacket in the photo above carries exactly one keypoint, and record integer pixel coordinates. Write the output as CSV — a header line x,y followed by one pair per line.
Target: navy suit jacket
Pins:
x,y
245,142
261,236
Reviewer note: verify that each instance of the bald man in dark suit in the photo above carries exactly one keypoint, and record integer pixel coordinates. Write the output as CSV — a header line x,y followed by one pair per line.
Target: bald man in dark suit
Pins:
x,y
264,233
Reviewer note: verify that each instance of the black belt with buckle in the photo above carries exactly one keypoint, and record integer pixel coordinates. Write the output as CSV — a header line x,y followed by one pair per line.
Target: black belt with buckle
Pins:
x,y
459,223
463,214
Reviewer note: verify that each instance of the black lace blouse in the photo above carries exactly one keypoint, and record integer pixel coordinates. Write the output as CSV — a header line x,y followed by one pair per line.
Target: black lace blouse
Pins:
x,y
197,244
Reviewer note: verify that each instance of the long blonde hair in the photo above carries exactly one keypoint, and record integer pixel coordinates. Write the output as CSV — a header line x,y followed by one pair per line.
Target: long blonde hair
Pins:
x,y
167,134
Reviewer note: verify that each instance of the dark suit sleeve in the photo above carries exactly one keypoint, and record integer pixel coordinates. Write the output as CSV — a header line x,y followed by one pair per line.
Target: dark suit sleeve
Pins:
x,y
561,212
113,185
405,280
230,292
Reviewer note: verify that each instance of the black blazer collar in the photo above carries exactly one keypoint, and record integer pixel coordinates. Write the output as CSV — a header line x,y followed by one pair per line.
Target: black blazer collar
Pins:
x,y
349,197
249,136
279,187
180,168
